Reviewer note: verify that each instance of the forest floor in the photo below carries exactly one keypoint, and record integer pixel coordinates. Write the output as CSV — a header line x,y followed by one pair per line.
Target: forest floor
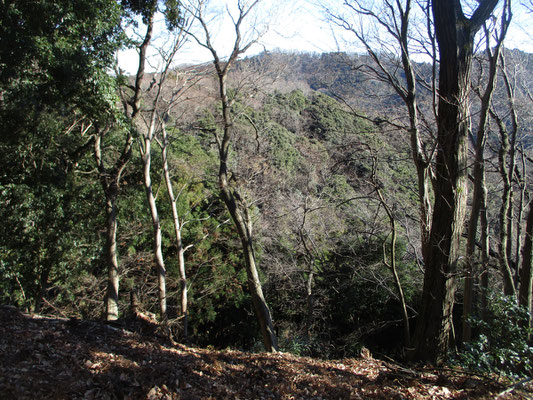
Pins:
x,y
57,358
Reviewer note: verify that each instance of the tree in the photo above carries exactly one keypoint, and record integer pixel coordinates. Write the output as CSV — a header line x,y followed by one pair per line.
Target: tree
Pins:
x,y
525,295
147,120
455,33
392,19
232,195
53,87
390,259
479,199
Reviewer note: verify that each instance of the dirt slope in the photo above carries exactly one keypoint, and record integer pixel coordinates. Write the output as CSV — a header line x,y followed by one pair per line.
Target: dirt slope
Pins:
x,y
52,358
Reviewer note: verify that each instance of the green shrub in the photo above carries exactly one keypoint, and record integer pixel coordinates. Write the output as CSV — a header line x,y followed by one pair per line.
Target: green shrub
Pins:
x,y
502,345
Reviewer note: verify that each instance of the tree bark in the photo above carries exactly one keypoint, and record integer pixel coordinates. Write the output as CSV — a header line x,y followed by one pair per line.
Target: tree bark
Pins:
x,y
241,218
391,263
177,231
112,259
146,153
110,181
525,294
505,210
479,198
233,200
455,36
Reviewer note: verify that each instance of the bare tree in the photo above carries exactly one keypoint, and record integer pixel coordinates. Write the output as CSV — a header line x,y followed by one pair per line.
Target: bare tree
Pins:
x,y
507,164
479,199
525,295
147,118
231,192
110,177
390,50
390,259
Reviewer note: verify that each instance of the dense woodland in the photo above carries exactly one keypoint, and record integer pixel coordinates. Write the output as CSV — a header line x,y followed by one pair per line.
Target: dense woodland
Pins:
x,y
309,203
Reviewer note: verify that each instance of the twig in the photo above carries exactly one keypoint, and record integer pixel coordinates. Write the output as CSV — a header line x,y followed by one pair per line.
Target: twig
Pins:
x,y
513,387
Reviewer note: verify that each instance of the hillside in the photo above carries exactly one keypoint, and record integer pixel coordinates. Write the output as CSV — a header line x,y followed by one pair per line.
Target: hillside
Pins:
x,y
56,358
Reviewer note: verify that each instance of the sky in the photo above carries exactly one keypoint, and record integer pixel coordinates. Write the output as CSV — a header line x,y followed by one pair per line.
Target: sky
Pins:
x,y
294,26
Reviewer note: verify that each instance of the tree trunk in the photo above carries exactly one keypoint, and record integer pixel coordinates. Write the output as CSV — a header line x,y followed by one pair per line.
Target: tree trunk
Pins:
x,y
112,260
521,198
177,232
110,180
508,148
423,167
233,200
525,294
484,274
309,303
392,263
241,218
505,209
157,243
455,35
43,285
479,199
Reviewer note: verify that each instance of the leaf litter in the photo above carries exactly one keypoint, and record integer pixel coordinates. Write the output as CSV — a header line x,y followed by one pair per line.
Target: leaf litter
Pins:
x,y
58,358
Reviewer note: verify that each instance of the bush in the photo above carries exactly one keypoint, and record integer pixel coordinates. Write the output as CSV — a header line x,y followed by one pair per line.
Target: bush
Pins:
x,y
503,345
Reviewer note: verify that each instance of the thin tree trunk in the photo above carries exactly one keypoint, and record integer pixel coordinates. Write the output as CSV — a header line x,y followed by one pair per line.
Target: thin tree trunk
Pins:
x,y
525,294
43,285
506,211
112,260
509,288
485,252
110,180
423,167
177,232
479,199
391,263
233,200
522,184
242,221
145,147
241,218
309,303
146,151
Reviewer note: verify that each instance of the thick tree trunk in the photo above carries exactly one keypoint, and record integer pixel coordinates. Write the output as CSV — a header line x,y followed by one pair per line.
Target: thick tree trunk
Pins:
x,y
525,295
455,34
